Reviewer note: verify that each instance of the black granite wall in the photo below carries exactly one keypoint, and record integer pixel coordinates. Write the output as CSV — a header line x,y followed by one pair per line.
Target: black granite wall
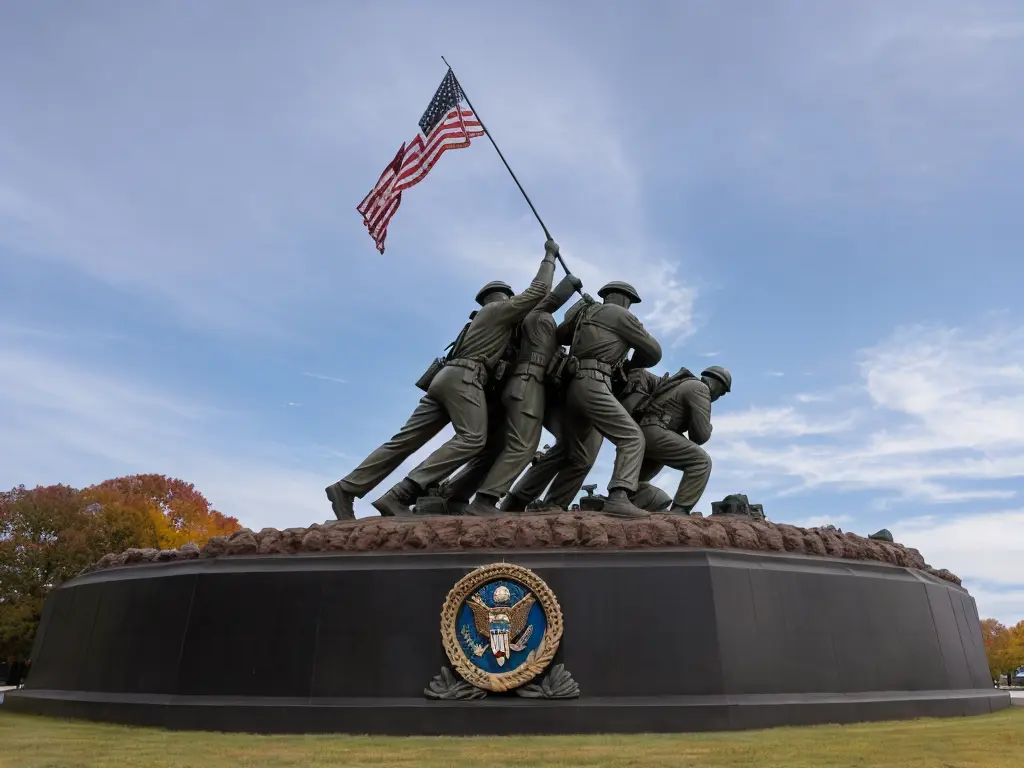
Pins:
x,y
658,640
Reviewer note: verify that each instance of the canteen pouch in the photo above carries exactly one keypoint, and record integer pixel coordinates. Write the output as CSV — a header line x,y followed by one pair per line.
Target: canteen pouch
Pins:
x,y
499,371
428,375
516,388
555,372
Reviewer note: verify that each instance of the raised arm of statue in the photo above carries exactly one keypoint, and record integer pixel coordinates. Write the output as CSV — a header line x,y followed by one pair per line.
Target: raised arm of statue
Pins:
x,y
514,310
560,294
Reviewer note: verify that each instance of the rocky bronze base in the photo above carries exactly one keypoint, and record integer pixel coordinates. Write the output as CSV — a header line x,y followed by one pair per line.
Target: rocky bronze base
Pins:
x,y
656,638
540,531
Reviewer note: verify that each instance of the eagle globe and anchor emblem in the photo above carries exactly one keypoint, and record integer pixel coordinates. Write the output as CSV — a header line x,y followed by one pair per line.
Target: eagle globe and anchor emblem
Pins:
x,y
501,626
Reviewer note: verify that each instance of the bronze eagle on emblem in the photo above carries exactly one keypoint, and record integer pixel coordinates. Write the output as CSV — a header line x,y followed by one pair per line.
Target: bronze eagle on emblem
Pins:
x,y
504,625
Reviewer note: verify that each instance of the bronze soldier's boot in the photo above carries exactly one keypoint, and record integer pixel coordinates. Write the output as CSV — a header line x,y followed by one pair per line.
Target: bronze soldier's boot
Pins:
x,y
513,503
681,509
483,506
619,505
341,502
651,498
398,501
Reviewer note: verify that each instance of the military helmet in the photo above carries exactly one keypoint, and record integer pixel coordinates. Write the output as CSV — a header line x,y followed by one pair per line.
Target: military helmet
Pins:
x,y
493,287
719,373
617,286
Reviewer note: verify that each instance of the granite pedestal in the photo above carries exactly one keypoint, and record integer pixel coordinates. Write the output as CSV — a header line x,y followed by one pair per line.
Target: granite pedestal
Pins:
x,y
658,639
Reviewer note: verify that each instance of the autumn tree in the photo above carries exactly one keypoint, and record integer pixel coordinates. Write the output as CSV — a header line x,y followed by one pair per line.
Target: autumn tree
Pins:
x,y
1004,648
154,511
46,536
49,534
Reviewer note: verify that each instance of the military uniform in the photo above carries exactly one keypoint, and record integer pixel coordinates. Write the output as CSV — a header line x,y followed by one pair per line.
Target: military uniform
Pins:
x,y
684,406
602,337
533,483
456,396
461,486
523,401
525,395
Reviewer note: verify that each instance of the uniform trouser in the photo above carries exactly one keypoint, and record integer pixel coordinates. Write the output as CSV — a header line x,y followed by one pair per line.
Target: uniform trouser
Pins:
x,y
666,448
524,415
463,484
456,396
591,407
524,401
539,476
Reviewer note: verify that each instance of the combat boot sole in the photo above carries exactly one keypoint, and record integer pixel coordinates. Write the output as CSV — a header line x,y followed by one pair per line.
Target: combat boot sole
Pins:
x,y
623,510
341,502
390,506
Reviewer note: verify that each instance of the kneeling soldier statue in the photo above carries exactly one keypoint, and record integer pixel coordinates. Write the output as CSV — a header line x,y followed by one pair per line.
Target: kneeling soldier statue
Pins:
x,y
674,405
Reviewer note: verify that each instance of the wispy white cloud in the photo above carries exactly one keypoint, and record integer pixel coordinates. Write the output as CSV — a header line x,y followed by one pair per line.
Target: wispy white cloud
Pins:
x,y
984,547
812,397
181,221
938,411
72,422
785,421
322,377
68,420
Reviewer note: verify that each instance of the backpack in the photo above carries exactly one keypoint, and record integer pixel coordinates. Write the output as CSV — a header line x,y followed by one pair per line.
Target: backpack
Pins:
x,y
649,403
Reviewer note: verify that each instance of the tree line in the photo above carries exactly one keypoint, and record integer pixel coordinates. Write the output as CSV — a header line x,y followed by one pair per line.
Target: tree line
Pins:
x,y
49,534
1004,647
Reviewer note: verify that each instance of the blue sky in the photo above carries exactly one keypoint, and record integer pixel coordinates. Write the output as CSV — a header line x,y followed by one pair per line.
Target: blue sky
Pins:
x,y
823,197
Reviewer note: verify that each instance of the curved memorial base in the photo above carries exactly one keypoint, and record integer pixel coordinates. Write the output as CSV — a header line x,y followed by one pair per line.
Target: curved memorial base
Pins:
x,y
658,640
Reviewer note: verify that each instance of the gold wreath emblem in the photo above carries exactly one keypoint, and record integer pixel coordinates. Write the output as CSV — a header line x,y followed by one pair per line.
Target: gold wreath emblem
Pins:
x,y
535,662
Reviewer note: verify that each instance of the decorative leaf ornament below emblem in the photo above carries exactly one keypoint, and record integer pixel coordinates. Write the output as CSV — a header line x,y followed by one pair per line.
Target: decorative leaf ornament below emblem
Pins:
x,y
500,626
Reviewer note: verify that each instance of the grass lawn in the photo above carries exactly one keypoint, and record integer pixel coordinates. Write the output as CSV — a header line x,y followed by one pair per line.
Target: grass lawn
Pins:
x,y
995,741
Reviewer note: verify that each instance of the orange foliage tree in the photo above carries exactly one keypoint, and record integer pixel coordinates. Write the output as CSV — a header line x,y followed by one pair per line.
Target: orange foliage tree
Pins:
x,y
1004,647
49,534
155,511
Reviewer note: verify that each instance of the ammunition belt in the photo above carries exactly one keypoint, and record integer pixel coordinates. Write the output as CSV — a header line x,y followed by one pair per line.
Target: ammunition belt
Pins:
x,y
535,366
653,420
473,365
590,364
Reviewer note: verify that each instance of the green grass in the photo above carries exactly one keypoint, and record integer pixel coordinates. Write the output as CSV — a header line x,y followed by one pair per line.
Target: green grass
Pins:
x,y
993,741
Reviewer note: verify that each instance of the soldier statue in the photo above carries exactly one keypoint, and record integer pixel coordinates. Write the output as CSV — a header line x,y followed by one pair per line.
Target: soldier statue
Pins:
x,y
602,336
674,405
524,399
455,394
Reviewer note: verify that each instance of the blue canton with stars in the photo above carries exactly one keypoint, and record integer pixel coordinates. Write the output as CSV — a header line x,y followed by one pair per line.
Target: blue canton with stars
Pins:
x,y
447,97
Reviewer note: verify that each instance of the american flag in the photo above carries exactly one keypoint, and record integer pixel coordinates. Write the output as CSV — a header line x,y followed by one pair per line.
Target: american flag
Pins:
x,y
445,125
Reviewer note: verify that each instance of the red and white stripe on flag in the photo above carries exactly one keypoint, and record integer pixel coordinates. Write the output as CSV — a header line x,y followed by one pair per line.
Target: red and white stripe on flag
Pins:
x,y
411,165
380,204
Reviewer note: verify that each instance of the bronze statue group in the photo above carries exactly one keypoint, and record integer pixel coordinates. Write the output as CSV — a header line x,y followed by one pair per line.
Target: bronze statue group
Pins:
x,y
514,370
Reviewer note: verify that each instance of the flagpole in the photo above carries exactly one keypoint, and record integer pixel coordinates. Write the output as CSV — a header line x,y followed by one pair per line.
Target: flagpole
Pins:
x,y
507,166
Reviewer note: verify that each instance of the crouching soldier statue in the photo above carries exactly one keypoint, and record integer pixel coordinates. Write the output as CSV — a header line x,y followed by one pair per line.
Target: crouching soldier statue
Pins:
x,y
665,408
